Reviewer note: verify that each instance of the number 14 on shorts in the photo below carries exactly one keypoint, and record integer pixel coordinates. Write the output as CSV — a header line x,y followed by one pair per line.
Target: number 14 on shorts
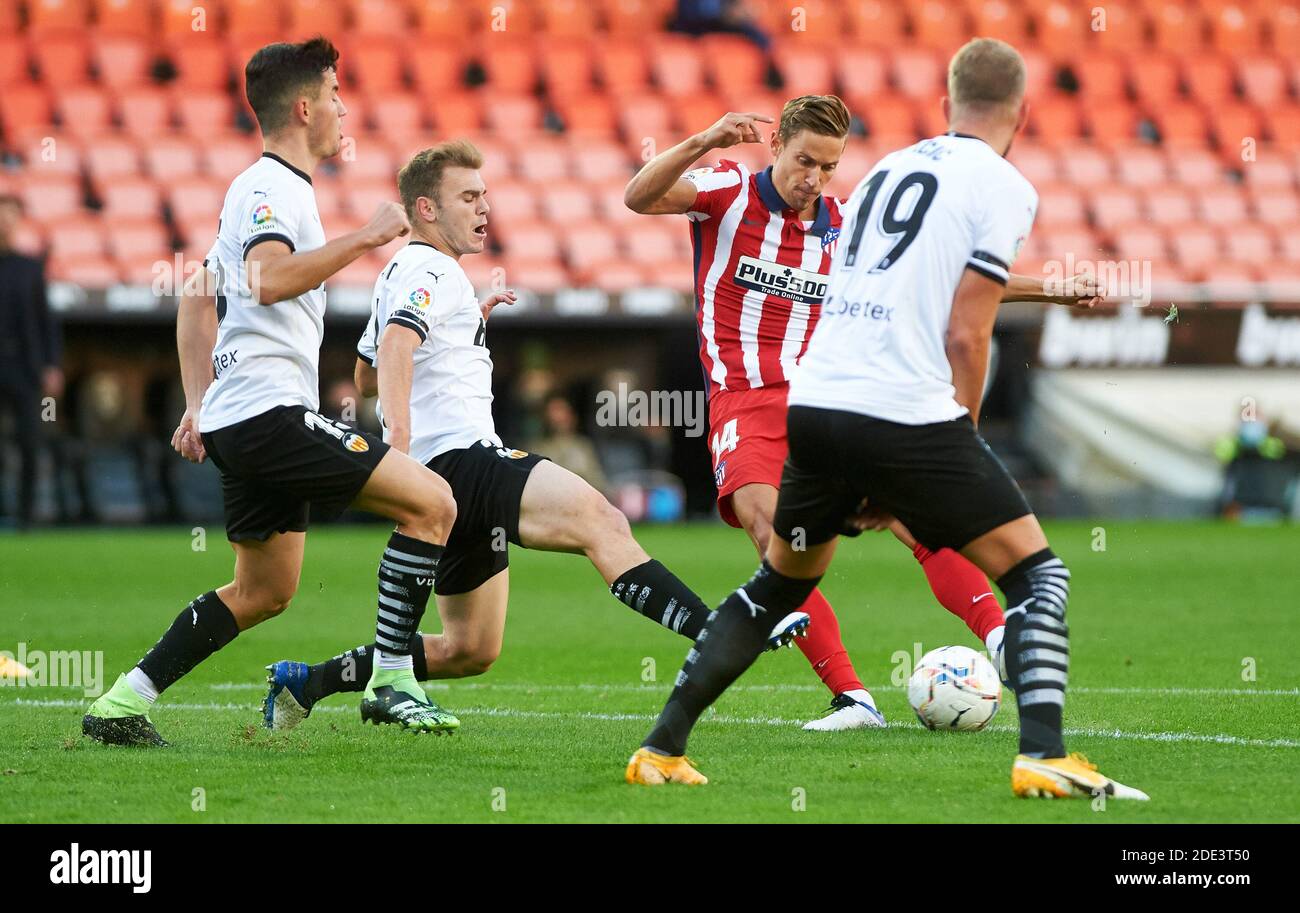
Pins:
x,y
724,441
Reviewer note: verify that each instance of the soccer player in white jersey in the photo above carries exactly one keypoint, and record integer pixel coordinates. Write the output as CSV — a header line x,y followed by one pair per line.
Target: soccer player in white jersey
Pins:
x,y
425,351
883,412
249,367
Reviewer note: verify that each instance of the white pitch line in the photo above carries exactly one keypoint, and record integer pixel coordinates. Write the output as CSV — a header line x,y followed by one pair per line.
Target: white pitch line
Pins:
x,y
1087,732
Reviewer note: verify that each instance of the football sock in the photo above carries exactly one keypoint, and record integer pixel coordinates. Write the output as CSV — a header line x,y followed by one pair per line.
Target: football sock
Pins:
x,y
1037,649
655,592
350,671
823,647
961,588
202,628
731,640
406,574
142,684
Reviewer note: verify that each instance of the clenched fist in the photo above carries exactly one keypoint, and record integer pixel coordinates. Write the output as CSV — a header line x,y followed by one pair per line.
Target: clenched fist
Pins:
x,y
388,222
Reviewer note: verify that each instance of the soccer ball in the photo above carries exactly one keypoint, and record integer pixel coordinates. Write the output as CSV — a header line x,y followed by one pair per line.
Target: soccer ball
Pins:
x,y
954,688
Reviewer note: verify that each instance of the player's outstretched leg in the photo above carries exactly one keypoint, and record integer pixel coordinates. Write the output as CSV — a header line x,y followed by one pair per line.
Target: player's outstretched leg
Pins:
x,y
1037,650
422,504
852,706
729,644
266,577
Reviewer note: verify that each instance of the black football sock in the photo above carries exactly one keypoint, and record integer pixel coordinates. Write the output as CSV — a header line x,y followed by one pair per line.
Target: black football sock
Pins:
x,y
655,592
1037,649
350,671
202,628
406,574
731,640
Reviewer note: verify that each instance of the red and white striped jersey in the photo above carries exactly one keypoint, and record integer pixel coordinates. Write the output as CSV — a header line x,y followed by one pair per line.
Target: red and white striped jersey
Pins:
x,y
760,275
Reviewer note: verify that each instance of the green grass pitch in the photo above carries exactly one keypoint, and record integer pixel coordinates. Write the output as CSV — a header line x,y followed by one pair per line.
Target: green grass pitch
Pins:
x,y
1184,682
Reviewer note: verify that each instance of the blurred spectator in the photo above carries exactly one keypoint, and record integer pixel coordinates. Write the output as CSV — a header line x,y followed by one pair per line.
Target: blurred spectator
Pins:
x,y
701,17
1257,478
562,443
30,352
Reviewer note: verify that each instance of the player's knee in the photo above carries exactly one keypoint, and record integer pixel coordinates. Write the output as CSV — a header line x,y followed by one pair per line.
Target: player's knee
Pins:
x,y
475,659
433,513
604,520
270,600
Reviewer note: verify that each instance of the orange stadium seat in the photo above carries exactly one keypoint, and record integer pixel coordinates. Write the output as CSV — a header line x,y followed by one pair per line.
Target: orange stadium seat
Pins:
x,y
567,18
1209,78
531,241
1181,124
589,116
1262,79
917,73
888,116
136,197
121,61
1114,206
1036,162
388,18
512,202
169,158
1236,29
879,23
1232,123
811,21
1170,204
696,112
1112,122
84,111
512,113
258,19
511,64
657,241
510,17
585,246
188,22
1275,205
397,114
1139,242
566,68
362,197
1040,73
437,69
315,17
938,24
1056,120
568,201
1177,26
1059,24
375,63
112,156
678,66
203,65
999,19
198,234
1086,166
633,18
145,112
732,62
1283,124
543,162
1115,26
98,272
198,199
1221,205
139,239
1139,165
861,71
73,238
45,153
1060,205
329,198
930,119
805,70
455,113
610,205
597,162
45,17
49,198
63,60
1102,77
13,60
1195,167
1197,249
445,18
1154,78
25,105
1249,242
643,114
370,159
622,66
226,155
201,111
1269,171
124,17
1283,23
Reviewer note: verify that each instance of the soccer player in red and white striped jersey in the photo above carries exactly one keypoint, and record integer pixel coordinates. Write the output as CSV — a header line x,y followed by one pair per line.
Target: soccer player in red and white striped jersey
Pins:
x,y
763,244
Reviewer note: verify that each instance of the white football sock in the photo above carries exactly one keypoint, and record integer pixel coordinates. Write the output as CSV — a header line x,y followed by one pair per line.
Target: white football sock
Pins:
x,y
388,660
994,640
142,684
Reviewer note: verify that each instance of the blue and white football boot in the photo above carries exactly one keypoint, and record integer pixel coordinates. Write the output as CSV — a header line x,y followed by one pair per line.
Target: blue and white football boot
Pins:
x,y
286,703
787,629
854,709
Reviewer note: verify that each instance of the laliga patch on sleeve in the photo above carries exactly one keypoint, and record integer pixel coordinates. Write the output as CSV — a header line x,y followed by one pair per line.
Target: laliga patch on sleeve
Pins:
x,y
694,176
263,217
419,301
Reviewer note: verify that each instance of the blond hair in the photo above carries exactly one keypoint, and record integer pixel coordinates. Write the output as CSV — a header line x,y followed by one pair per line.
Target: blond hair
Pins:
x,y
422,175
985,74
822,114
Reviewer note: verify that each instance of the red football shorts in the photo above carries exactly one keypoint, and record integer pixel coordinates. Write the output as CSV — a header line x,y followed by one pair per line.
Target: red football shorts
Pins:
x,y
747,440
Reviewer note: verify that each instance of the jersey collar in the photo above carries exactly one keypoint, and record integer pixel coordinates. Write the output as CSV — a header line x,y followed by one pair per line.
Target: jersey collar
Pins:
x,y
773,200
298,171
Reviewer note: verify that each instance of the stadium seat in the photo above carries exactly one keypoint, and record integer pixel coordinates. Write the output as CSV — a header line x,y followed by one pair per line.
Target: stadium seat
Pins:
x,y
861,71
1154,78
1194,167
1058,24
805,70
1102,78
1236,30
369,159
655,241
13,61
938,24
137,197
694,113
813,22
610,205
203,65
1114,206
1060,205
229,154
1275,205
171,158
542,163
1111,122
145,112
121,61
436,70
1001,20
599,162
566,18
566,68
25,105
1262,79
257,19
888,116
567,202
1176,26
512,202
1197,249
1086,166
374,63
586,245
361,198
63,60
132,18
83,111
1115,26
1139,242
397,113
189,23
622,67
457,113
112,156
1223,204
876,22
1168,205
918,73
510,64
97,272
202,111
678,66
1249,243
44,152
144,238
384,18
445,19
1282,124
732,62
512,113
1181,124
1234,123
594,116
531,241
48,17
1209,78
315,17
329,198
1056,121
83,236
1140,165
633,18
1283,21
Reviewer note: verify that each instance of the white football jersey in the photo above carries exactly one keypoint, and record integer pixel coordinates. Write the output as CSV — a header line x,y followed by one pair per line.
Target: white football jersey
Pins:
x,y
914,224
425,290
266,355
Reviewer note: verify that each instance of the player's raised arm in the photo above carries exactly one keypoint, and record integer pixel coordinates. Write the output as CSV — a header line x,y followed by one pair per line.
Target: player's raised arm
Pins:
x,y
277,273
659,187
